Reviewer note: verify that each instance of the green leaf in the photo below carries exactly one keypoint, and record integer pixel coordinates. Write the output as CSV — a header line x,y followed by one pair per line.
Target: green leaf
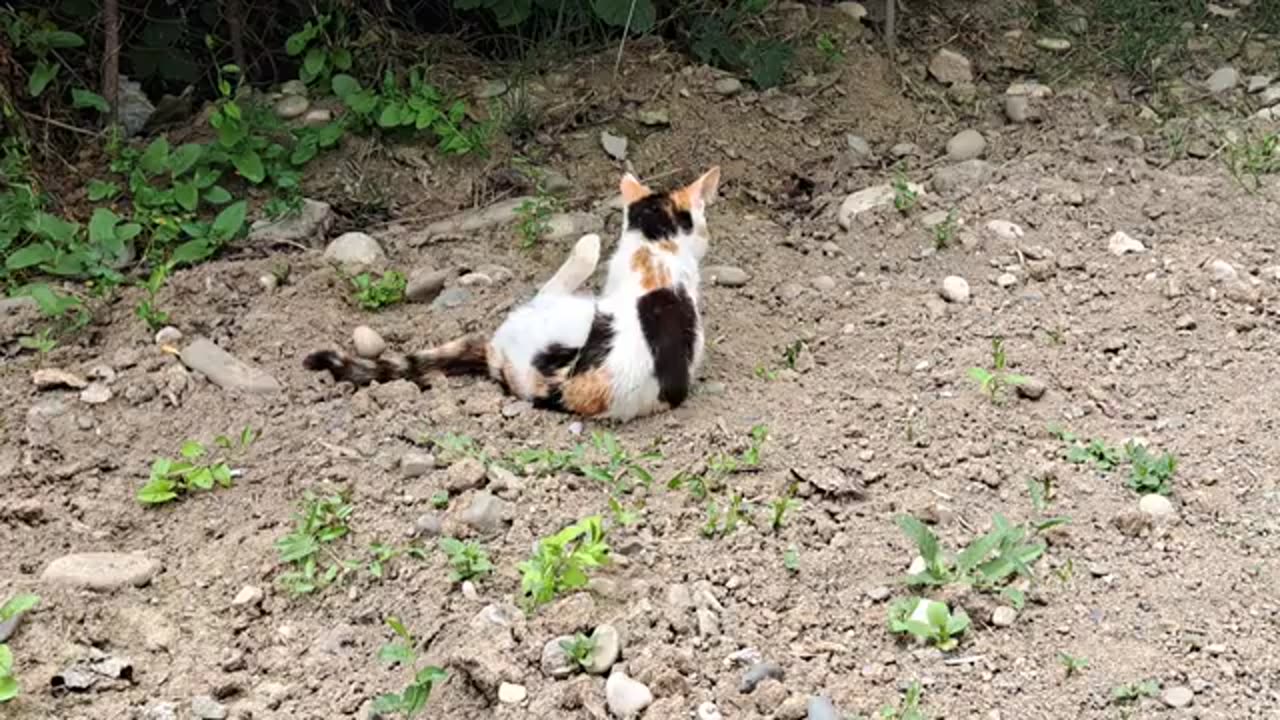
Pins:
x,y
30,256
6,659
341,58
314,61
157,492
926,542
396,654
617,13
43,74
249,165
388,704
102,226
156,157
184,158
191,450
228,223
217,195
8,684
99,190
51,227
84,99
57,39
430,675
344,85
186,195
297,42
202,478
390,116
19,603
191,252
398,627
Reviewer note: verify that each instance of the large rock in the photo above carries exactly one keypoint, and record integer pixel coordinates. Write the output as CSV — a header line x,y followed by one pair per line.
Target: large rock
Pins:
x,y
226,370
501,213
101,570
307,226
950,67
355,250
868,199
966,145
964,177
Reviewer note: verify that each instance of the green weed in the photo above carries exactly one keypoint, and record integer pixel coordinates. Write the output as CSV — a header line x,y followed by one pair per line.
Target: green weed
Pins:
x,y
945,232
1072,664
467,559
419,107
1131,692
928,620
171,479
994,383
604,460
322,44
781,506
791,560
722,522
534,214
377,294
720,37
904,198
561,562
20,603
579,649
414,697
829,47
909,709
1250,159
1150,473
319,523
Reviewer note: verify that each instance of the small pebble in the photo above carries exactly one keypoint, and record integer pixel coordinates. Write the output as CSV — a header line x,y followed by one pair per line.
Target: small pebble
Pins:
x,y
168,335
368,343
955,289
625,697
1155,506
1177,697
758,673
511,694
248,596
1004,616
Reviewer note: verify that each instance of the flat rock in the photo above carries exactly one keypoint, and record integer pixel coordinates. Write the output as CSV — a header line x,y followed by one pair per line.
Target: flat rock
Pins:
x,y
368,343
615,146
226,370
424,284
355,249
608,648
51,378
726,275
1222,80
962,177
561,226
206,708
954,289
728,86
309,225
512,694
499,213
555,662
948,67
867,199
821,708
101,570
1178,696
485,513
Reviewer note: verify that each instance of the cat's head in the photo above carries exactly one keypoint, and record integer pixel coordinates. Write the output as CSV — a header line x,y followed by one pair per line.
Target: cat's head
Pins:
x,y
676,215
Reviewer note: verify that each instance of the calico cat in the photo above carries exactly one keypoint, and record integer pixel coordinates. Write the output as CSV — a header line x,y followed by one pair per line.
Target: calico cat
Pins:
x,y
632,351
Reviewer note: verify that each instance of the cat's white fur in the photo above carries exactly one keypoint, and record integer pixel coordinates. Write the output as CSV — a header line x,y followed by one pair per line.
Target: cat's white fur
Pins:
x,y
558,314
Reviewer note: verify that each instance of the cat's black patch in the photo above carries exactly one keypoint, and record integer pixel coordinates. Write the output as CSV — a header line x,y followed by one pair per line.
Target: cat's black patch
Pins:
x,y
553,401
553,358
670,324
598,345
658,218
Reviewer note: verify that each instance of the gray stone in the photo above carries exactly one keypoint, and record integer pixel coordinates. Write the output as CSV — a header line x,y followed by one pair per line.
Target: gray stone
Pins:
x,y
821,708
954,289
429,525
101,570
561,226
464,475
1031,388
368,343
293,87
728,86
486,513
424,284
868,199
492,89
1017,108
249,596
206,708
291,106
1054,44
555,662
1223,272
608,648
53,378
860,151
307,226
10,626
949,66
168,335
1258,83
355,249
451,298
966,145
758,673
625,697
317,117
135,108
1222,80
1178,696
962,177
615,146
161,711
225,370
727,275
416,463
499,213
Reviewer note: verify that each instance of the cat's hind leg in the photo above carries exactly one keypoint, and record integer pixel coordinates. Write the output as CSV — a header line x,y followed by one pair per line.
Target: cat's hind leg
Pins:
x,y
577,269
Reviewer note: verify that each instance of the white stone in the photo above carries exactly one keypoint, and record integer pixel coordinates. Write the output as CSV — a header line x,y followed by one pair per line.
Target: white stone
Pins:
x,y
871,198
1223,271
1003,616
1156,506
1222,80
626,698
355,249
1121,244
955,289
512,694
1005,229
615,146
368,343
249,596
949,67
101,570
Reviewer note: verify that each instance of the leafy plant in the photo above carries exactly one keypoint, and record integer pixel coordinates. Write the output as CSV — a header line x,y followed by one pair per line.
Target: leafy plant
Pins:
x,y
1097,453
372,294
1129,692
321,44
720,38
945,232
828,46
622,515
782,506
579,649
319,522
604,460
467,559
928,620
908,710
1150,473
722,523
1072,664
994,382
414,697
791,560
171,479
147,309
440,499
560,563
420,107
904,198
20,603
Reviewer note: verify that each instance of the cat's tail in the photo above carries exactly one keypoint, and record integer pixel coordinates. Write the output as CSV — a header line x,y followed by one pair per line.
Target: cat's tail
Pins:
x,y
467,355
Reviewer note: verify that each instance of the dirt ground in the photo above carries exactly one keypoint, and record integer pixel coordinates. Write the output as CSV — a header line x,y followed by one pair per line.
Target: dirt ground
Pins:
x,y
1175,344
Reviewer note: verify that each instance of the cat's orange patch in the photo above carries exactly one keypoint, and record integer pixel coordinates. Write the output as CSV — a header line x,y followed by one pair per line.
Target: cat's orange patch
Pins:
x,y
682,199
669,246
652,271
589,393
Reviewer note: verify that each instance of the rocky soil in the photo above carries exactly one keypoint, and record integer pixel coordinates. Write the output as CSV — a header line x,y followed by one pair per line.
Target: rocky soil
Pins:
x,y
879,225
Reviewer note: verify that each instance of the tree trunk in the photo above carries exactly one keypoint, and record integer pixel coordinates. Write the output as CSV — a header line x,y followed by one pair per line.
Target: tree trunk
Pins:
x,y
232,11
111,57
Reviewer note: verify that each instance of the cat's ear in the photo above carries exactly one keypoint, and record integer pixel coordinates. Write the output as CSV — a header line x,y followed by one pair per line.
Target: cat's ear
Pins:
x,y
703,190
632,189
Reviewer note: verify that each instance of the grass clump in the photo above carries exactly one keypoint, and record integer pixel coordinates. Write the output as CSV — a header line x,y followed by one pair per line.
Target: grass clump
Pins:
x,y
410,701
561,562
